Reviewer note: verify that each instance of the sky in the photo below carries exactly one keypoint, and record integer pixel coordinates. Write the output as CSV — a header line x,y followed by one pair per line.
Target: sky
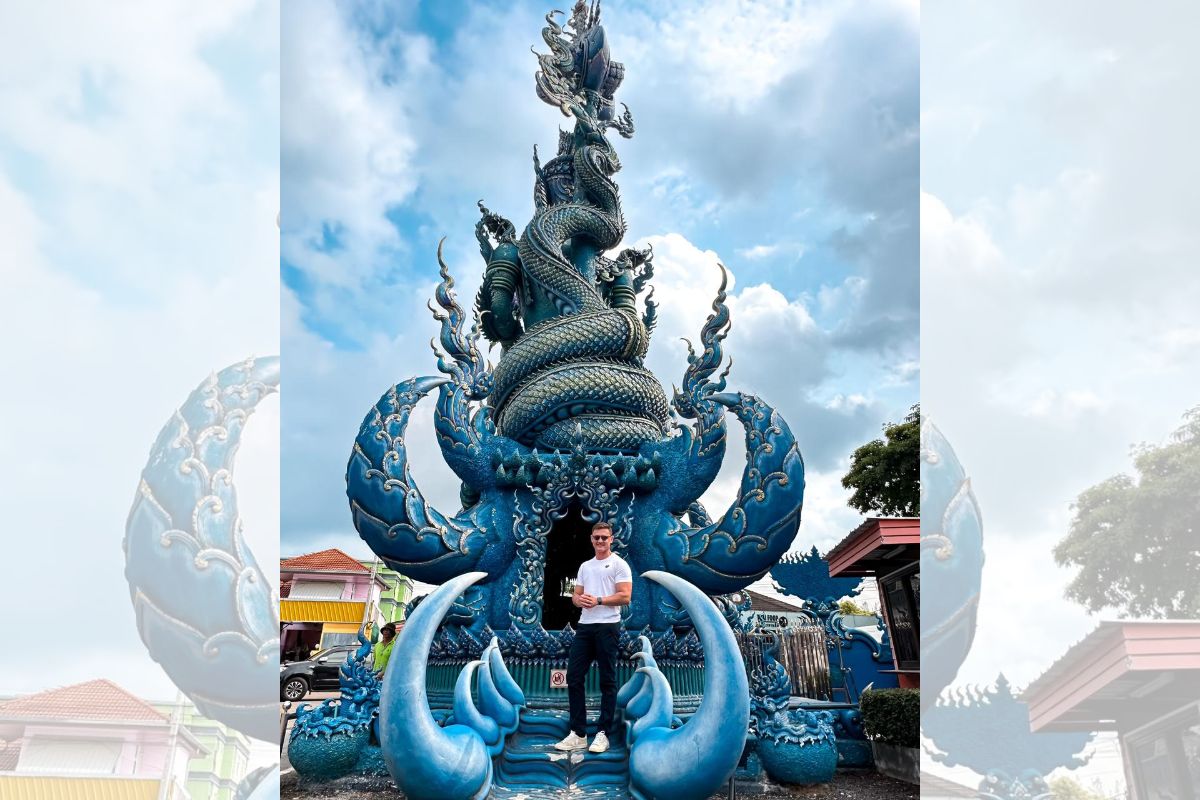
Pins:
x,y
781,142
1058,299
139,173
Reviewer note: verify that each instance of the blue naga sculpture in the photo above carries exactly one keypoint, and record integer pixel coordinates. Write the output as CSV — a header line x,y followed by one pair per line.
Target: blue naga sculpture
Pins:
x,y
795,745
333,738
569,428
570,379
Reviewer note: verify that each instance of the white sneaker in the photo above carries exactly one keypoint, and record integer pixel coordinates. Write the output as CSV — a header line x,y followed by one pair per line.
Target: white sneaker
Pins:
x,y
573,742
600,743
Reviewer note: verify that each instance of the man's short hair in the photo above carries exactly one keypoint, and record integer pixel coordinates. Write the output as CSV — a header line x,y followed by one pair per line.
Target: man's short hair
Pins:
x,y
602,526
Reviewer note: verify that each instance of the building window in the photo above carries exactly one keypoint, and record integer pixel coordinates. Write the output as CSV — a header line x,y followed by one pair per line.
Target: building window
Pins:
x,y
316,590
70,756
1166,758
902,591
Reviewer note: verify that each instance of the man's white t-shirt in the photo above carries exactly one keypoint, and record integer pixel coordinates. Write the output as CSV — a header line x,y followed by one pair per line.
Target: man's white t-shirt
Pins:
x,y
599,579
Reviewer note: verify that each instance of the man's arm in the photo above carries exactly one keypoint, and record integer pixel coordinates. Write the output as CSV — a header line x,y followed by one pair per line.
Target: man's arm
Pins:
x,y
622,597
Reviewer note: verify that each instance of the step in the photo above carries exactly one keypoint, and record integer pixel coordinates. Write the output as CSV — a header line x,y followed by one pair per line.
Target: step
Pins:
x,y
530,764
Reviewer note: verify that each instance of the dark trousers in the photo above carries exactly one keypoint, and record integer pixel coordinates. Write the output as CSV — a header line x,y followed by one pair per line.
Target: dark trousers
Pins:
x,y
593,642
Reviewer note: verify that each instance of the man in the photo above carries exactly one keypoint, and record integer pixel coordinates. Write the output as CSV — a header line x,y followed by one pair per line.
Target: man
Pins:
x,y
383,648
603,586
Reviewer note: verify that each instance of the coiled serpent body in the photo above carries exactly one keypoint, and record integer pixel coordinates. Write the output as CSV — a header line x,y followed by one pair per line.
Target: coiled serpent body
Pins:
x,y
581,369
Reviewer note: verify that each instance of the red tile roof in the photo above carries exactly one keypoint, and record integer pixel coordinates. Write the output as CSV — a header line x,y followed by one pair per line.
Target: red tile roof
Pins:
x,y
99,699
331,560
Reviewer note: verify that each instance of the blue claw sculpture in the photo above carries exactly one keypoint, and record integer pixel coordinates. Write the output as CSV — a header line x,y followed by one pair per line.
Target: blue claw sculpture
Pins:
x,y
428,762
661,702
634,686
663,761
494,704
502,677
466,712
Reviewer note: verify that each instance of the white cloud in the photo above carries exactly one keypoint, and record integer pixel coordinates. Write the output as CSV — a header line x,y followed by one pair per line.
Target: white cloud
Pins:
x,y
1054,404
726,72
841,401
345,139
777,347
843,297
82,94
758,251
904,371
1048,209
953,244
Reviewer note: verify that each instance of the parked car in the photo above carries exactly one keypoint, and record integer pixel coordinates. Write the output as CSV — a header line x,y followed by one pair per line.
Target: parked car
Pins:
x,y
317,674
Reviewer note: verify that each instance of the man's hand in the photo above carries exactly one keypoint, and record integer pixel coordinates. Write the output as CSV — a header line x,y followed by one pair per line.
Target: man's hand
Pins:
x,y
586,601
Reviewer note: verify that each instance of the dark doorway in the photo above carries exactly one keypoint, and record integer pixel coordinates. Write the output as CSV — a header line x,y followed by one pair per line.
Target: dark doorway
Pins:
x,y
568,545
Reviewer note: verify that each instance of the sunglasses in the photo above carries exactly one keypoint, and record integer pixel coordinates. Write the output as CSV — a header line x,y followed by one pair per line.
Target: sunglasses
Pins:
x,y
601,538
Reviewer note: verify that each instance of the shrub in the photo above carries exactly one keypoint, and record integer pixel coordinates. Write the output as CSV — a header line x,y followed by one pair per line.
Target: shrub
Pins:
x,y
892,716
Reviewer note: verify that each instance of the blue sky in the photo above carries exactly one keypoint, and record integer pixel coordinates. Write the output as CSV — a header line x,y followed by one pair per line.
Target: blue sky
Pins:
x,y
780,140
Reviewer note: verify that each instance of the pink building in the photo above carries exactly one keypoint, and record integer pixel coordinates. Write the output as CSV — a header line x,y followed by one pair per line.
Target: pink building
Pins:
x,y
324,599
92,739
1140,679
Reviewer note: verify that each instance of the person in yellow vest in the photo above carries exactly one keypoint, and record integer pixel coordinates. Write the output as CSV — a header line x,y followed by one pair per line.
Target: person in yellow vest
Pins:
x,y
383,648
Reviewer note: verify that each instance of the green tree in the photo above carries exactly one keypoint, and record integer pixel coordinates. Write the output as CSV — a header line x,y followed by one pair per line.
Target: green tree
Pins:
x,y
850,607
1135,538
1065,788
885,474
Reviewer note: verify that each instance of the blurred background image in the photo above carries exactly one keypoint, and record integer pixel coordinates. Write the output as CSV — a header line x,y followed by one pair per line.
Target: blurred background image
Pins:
x,y
139,174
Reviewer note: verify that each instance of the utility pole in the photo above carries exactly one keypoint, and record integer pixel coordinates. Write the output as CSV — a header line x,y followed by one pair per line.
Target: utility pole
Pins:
x,y
370,595
172,745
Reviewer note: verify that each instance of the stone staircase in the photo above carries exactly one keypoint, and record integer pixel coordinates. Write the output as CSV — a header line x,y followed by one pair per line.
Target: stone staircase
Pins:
x,y
530,766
